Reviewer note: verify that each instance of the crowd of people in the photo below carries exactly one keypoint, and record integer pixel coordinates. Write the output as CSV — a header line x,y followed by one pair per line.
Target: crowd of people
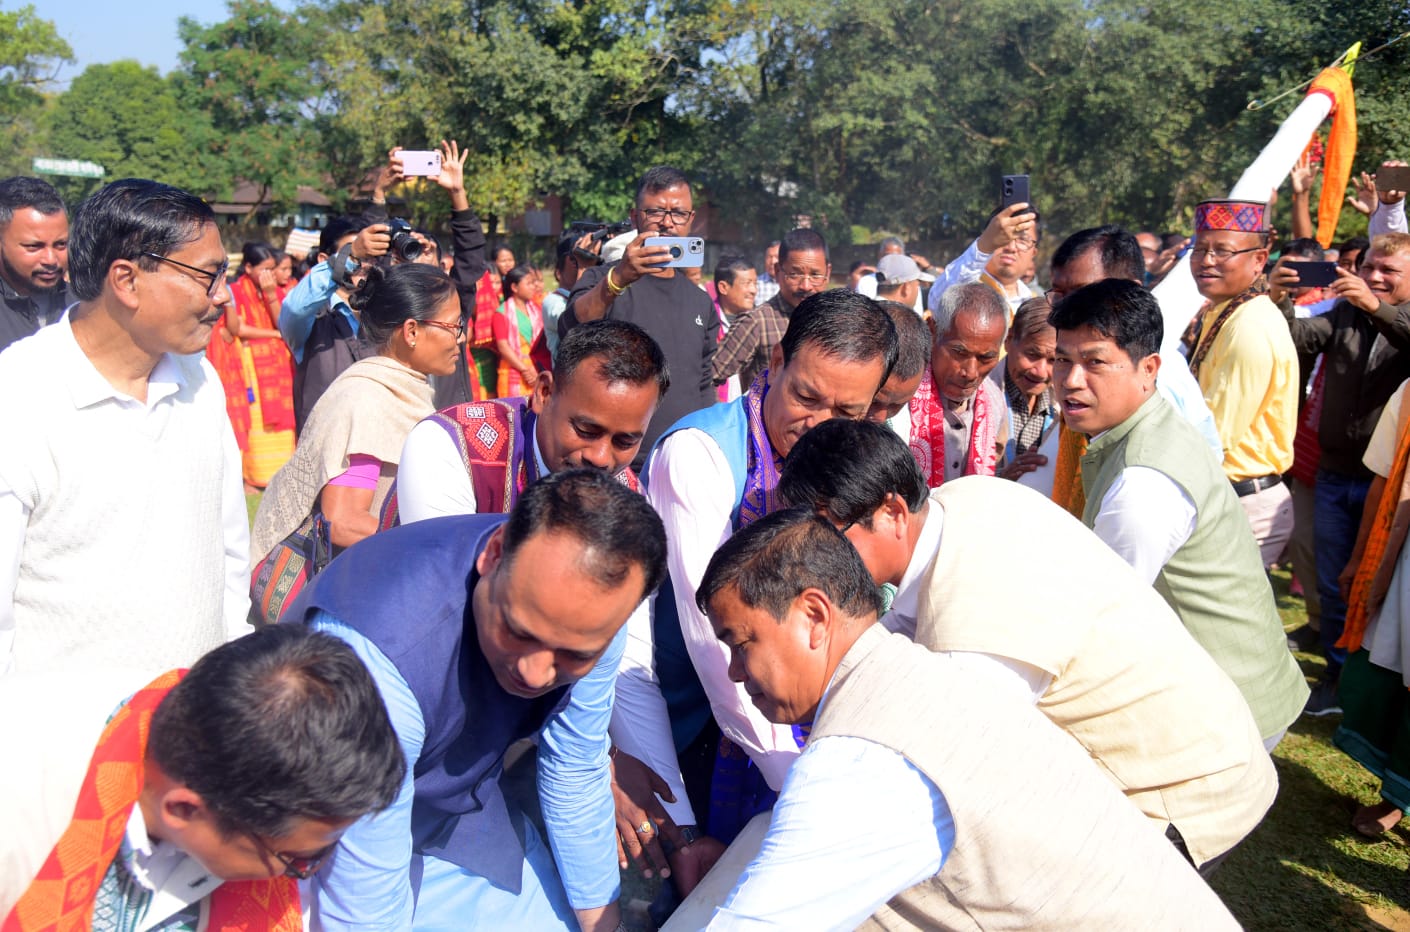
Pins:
x,y
737,556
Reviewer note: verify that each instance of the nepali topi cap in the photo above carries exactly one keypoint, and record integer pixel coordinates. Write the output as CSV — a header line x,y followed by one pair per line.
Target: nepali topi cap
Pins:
x,y
1239,216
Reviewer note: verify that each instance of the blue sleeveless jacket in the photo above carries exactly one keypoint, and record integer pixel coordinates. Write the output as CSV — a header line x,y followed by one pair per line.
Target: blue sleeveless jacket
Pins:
x,y
408,591
727,424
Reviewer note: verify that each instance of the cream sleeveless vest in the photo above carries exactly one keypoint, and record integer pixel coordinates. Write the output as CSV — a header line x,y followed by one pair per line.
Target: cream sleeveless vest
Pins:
x,y
1150,706
1042,841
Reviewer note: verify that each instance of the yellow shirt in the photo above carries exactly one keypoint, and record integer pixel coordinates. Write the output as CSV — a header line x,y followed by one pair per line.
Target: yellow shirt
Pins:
x,y
1249,380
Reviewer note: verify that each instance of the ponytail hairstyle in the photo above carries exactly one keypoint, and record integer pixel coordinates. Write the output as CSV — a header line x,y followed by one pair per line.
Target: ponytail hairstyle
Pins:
x,y
255,252
389,297
513,277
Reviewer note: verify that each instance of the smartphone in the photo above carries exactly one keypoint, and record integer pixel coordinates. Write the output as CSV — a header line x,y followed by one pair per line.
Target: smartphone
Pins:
x,y
420,162
1314,274
1013,190
1393,178
687,252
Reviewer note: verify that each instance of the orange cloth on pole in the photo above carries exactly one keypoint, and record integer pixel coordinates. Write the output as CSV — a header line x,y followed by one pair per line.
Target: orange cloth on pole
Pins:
x,y
1341,149
62,896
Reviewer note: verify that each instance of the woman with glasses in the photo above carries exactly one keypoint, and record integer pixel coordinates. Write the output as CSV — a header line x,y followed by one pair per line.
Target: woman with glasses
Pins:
x,y
518,332
328,496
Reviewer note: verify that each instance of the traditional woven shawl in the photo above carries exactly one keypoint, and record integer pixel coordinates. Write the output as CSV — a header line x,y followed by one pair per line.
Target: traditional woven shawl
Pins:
x,y
928,430
1387,537
62,896
765,465
1211,330
369,409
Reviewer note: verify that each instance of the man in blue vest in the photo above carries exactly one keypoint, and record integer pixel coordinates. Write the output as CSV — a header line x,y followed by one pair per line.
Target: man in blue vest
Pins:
x,y
714,472
472,652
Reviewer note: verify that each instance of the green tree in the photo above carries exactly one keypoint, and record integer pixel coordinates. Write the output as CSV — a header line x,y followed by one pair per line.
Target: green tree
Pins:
x,y
251,78
31,52
569,98
128,119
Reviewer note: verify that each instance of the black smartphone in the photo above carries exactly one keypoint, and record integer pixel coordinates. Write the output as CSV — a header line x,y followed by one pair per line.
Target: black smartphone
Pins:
x,y
1314,274
1013,190
1393,178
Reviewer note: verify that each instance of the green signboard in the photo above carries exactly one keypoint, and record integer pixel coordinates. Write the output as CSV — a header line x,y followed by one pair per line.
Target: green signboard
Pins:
x,y
72,167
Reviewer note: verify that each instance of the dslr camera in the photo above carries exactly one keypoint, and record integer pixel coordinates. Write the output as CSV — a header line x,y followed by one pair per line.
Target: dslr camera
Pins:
x,y
405,246
601,233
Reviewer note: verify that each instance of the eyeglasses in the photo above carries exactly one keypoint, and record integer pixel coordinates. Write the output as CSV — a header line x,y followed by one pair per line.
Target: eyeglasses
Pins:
x,y
217,277
457,329
1219,253
296,868
657,214
1025,245
798,278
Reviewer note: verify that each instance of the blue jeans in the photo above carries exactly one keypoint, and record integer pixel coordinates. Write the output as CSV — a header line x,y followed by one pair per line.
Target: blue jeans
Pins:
x,y
1338,502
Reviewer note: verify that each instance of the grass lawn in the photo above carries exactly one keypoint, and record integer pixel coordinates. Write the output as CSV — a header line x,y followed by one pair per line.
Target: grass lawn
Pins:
x,y
1305,867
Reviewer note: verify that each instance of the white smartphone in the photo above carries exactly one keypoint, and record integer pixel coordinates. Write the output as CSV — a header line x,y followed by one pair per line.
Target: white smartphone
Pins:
x,y
687,252
420,162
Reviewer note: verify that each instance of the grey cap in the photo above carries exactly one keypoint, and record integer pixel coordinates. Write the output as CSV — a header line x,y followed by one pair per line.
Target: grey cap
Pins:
x,y
897,270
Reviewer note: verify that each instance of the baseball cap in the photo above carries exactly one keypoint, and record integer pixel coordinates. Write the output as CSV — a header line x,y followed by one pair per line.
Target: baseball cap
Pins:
x,y
897,270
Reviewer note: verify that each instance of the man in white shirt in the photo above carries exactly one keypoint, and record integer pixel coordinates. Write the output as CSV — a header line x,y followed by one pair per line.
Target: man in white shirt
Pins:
x,y
124,538
223,808
1163,505
999,258
716,471
922,784
1148,685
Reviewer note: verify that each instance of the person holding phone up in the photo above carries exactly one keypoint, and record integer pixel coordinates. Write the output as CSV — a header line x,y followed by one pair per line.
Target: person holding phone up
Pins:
x,y
645,289
999,258
1364,341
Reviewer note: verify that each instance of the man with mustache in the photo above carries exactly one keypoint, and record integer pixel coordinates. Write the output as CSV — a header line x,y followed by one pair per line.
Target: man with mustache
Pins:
x,y
34,255
803,270
124,539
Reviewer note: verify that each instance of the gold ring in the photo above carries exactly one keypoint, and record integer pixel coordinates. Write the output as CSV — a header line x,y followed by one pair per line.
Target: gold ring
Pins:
x,y
644,828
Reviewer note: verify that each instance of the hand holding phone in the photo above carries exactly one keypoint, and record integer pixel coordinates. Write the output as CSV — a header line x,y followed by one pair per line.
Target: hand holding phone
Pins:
x,y
1013,189
1394,178
687,252
422,163
1314,274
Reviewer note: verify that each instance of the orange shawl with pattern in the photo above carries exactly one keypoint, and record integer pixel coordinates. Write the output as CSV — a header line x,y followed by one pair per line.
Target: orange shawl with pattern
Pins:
x,y
1383,544
61,897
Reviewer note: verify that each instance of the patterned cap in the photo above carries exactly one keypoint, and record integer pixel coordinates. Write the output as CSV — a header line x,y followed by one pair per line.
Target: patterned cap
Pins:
x,y
1239,216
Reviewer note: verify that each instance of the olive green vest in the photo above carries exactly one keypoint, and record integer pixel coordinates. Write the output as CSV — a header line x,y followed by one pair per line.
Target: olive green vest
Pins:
x,y
1215,581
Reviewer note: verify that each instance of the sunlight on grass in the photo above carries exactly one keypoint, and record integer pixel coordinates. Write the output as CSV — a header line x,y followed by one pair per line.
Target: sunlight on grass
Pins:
x,y
1305,867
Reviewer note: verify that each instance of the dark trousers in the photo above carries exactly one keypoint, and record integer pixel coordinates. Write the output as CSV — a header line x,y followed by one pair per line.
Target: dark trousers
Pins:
x,y
1339,501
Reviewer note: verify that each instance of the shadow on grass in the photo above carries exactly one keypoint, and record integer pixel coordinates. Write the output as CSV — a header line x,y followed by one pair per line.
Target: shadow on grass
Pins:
x,y
1305,867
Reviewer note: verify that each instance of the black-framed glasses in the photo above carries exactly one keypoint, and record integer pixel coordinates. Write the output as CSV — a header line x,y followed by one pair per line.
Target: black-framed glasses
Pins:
x,y
657,214
217,277
1219,253
457,329
296,868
